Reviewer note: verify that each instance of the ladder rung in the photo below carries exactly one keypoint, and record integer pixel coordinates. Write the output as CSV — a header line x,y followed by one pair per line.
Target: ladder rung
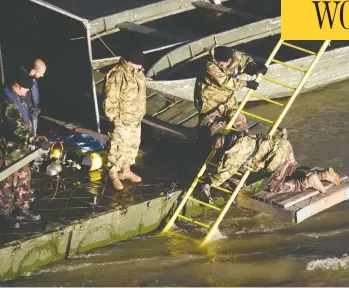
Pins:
x,y
216,165
298,48
289,65
222,189
193,221
212,164
151,95
267,99
187,118
205,204
257,117
168,107
277,82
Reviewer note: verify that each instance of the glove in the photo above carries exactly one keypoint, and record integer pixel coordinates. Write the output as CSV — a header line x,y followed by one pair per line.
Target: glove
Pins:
x,y
252,84
253,68
261,68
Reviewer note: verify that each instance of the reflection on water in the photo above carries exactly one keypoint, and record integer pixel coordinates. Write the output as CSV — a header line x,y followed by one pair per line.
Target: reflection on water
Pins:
x,y
258,249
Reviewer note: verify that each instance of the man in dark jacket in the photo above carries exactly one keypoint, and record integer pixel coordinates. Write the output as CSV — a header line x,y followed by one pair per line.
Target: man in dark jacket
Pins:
x,y
32,99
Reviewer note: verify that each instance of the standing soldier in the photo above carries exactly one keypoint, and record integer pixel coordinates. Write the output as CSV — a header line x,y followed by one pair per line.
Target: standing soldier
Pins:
x,y
16,135
214,91
125,106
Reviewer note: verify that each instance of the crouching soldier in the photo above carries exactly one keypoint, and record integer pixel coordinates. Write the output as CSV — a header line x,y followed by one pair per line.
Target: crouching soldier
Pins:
x,y
274,155
125,106
214,90
16,136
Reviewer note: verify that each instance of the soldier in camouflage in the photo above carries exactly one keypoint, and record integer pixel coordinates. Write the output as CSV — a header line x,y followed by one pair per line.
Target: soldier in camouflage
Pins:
x,y
16,131
125,106
214,91
268,154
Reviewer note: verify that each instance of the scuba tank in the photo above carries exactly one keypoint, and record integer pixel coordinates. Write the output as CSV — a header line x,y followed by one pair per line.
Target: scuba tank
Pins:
x,y
74,150
57,157
94,160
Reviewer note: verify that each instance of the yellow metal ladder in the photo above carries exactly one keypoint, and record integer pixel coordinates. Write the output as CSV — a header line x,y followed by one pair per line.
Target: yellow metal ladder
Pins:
x,y
275,125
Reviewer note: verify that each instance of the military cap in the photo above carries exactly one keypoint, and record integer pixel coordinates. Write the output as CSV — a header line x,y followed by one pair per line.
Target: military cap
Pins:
x,y
223,53
133,55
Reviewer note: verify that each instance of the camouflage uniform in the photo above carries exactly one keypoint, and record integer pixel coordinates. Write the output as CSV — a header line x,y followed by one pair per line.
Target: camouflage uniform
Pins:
x,y
15,135
214,91
255,153
274,155
125,105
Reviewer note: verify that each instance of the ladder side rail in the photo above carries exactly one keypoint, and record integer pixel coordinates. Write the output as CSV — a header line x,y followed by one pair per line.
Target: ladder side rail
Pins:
x,y
245,99
299,87
225,209
188,193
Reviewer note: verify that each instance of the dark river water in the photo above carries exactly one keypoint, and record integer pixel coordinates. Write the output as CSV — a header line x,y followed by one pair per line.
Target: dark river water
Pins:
x,y
255,249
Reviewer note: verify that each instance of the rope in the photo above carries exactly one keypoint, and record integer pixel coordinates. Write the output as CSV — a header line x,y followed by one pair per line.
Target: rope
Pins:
x,y
106,46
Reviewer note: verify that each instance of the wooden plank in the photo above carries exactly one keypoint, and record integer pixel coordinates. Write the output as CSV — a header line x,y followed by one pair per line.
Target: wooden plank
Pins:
x,y
156,103
223,9
101,137
180,111
150,31
168,107
190,116
322,202
259,206
153,122
283,197
300,211
268,197
298,198
181,132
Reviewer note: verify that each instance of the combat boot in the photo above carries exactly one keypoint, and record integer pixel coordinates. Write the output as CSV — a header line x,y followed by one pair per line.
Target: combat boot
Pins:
x,y
206,188
126,173
11,221
114,176
314,181
27,215
329,175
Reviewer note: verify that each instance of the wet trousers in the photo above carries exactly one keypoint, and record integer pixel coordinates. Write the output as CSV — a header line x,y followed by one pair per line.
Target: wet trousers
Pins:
x,y
14,191
210,125
281,163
